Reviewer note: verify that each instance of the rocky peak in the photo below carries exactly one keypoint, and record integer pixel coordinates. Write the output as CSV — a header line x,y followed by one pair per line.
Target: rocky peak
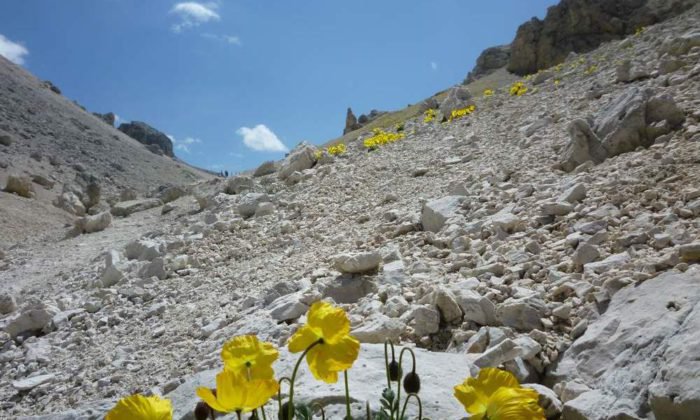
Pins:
x,y
582,25
490,60
152,138
350,122
353,123
109,118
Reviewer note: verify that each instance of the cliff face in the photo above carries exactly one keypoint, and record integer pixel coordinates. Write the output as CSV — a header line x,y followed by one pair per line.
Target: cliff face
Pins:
x,y
582,25
490,60
156,141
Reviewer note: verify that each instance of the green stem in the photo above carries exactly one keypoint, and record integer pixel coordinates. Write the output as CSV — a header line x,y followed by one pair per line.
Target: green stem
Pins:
x,y
294,376
420,406
398,387
386,361
347,397
238,414
279,392
320,408
369,413
262,409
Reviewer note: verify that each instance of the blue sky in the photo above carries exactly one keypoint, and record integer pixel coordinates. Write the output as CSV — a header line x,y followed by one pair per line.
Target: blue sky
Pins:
x,y
230,78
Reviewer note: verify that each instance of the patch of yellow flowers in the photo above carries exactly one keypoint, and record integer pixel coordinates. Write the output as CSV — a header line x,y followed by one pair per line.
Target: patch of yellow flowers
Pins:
x,y
380,138
590,70
518,89
430,115
488,92
460,113
246,384
336,150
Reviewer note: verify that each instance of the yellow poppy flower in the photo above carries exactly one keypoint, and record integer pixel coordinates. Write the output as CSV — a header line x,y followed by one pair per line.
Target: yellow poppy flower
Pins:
x,y
336,350
138,407
235,393
247,355
496,395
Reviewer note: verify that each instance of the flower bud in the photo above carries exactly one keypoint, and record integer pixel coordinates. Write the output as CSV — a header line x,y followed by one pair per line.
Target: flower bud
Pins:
x,y
394,371
202,411
411,383
284,412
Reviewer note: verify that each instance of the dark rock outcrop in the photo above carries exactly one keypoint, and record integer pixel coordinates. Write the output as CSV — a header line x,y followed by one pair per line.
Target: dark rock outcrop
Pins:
x,y
490,60
353,123
152,138
582,25
350,122
108,118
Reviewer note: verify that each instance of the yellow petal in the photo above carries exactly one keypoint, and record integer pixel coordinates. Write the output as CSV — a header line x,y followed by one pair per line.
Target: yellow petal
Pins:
x,y
319,365
332,321
474,402
343,353
246,353
139,407
302,339
257,393
208,397
491,379
515,404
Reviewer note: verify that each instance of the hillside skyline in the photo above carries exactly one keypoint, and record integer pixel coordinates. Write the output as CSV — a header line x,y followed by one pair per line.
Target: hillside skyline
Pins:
x,y
231,93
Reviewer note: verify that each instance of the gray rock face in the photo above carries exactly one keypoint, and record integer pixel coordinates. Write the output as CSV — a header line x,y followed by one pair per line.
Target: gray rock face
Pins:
x,y
250,202
302,157
20,185
359,262
437,212
580,26
31,319
92,224
71,203
458,97
287,307
490,60
125,208
109,118
27,384
379,328
265,168
349,289
238,184
172,193
621,124
476,308
149,136
583,146
7,304
660,365
524,314
631,120
113,271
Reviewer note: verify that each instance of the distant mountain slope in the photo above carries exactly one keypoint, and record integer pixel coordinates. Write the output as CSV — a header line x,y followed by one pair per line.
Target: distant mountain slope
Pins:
x,y
57,144
65,140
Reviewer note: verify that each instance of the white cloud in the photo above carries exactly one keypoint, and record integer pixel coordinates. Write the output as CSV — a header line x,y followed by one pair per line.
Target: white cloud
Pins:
x,y
193,14
229,39
184,145
433,65
234,40
261,139
12,51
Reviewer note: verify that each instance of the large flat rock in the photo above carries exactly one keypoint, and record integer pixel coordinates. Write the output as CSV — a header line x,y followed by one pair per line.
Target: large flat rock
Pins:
x,y
439,373
640,358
